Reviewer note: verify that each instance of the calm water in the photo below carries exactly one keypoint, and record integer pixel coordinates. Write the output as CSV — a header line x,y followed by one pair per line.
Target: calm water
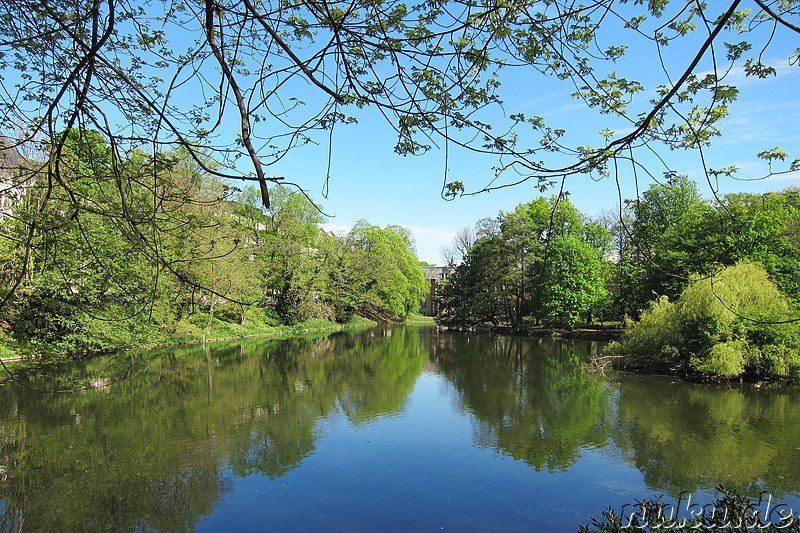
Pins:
x,y
401,429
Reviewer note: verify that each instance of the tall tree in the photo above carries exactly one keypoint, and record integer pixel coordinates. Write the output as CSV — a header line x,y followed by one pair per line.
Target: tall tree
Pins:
x,y
573,284
284,241
540,261
77,292
393,278
480,290
673,233
646,268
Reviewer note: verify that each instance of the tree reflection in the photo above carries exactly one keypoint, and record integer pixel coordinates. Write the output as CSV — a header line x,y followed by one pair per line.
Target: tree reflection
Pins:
x,y
532,398
158,438
685,437
365,376
75,463
152,452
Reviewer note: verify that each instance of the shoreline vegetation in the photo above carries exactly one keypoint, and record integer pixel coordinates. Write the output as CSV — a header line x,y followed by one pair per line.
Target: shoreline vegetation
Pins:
x,y
613,334
709,288
228,267
733,324
223,332
8,354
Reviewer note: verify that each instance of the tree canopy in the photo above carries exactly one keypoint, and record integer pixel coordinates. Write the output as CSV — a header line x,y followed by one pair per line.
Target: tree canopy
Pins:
x,y
197,253
540,261
711,280
732,322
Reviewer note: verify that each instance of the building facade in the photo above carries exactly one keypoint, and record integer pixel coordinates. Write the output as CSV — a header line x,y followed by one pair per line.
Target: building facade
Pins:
x,y
434,276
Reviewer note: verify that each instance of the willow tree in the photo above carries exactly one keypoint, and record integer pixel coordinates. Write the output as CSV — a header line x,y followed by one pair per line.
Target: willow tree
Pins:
x,y
178,73
391,278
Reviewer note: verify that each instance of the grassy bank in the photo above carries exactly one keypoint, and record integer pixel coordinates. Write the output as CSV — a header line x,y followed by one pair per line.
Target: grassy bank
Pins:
x,y
414,318
195,328
199,328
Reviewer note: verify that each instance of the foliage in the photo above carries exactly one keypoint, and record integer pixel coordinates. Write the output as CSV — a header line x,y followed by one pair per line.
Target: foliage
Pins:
x,y
573,283
649,235
671,234
75,289
172,71
245,408
730,323
166,78
391,274
542,261
663,206
283,242
653,336
185,256
545,263
477,291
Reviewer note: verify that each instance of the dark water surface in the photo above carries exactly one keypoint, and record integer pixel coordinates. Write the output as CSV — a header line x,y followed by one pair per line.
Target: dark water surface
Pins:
x,y
388,429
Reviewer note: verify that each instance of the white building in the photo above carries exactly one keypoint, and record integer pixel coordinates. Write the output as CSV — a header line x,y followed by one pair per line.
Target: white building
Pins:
x,y
14,177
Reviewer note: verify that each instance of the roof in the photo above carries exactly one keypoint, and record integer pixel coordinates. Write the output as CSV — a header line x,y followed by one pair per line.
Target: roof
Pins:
x,y
437,272
10,158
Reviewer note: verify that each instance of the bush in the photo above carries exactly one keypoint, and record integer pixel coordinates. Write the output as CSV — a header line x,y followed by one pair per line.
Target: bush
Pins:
x,y
654,337
724,359
732,323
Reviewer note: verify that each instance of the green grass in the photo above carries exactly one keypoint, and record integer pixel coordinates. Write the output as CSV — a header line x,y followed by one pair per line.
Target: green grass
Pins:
x,y
415,318
193,328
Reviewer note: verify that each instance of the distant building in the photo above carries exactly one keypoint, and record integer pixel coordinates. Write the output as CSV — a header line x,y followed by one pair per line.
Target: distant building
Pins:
x,y
12,177
434,275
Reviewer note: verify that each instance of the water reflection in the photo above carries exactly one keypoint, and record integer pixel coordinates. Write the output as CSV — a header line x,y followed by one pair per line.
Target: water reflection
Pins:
x,y
159,439
148,452
685,437
532,398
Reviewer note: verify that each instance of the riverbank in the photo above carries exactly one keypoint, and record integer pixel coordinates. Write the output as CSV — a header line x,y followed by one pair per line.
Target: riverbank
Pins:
x,y
589,332
189,333
632,365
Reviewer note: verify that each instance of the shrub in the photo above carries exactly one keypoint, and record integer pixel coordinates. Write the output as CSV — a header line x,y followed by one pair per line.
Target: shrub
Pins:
x,y
724,359
654,337
732,323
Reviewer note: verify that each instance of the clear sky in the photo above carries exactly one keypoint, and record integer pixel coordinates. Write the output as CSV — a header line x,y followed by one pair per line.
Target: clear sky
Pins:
x,y
369,181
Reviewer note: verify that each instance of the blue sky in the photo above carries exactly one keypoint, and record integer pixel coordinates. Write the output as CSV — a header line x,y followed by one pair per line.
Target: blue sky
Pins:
x,y
369,181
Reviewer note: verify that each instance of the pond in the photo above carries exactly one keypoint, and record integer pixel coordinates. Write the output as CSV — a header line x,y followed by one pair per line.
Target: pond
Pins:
x,y
385,429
